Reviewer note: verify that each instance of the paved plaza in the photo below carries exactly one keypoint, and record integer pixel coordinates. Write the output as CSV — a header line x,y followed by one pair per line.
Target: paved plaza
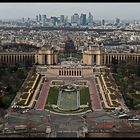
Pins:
x,y
37,119
43,95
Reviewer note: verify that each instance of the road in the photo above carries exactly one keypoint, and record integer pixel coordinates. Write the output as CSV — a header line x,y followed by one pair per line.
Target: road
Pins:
x,y
94,121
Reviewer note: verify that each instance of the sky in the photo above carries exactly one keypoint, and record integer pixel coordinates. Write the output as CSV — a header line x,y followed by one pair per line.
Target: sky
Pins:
x,y
99,11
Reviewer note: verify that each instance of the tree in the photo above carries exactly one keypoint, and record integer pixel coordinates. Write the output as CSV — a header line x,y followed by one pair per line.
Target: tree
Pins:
x,y
114,61
9,88
131,103
29,63
138,70
5,101
69,47
20,74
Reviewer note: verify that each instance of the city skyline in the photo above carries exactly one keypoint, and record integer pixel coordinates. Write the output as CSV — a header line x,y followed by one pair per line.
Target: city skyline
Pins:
x,y
124,11
69,70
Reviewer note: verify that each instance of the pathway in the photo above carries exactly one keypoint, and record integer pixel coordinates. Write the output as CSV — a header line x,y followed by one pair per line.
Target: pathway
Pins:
x,y
40,104
95,101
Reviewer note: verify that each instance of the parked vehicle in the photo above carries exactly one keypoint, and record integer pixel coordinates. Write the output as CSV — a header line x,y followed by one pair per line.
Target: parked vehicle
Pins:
x,y
123,116
20,127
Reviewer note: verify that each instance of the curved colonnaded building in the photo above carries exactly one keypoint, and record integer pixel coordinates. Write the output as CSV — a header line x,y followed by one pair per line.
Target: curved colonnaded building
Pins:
x,y
43,57
47,60
96,56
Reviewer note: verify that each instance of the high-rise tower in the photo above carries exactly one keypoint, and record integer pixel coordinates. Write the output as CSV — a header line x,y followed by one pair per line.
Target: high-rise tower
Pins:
x,y
83,19
90,18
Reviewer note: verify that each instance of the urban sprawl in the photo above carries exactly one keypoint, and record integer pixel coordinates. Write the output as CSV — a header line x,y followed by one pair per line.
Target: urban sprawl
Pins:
x,y
62,77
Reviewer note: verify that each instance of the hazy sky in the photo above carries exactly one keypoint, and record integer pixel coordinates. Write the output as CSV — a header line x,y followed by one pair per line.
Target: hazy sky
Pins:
x,y
98,10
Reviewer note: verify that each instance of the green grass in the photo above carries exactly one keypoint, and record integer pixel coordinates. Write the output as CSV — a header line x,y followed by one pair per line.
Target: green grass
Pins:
x,y
111,90
21,103
108,84
84,96
68,100
106,79
27,89
113,97
53,95
30,83
33,77
24,96
30,98
116,104
108,101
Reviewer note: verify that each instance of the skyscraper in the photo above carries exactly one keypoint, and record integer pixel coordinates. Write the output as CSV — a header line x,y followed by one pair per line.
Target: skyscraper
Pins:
x,y
90,18
66,19
23,19
117,21
83,19
37,19
44,17
75,18
40,17
103,22
54,20
62,18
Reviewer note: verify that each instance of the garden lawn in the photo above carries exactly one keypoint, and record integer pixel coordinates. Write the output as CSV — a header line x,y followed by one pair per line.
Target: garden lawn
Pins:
x,y
52,95
84,96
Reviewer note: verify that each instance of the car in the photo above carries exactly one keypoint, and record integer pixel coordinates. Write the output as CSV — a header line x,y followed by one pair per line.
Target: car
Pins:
x,y
123,116
27,109
48,129
133,119
5,129
34,129
24,111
